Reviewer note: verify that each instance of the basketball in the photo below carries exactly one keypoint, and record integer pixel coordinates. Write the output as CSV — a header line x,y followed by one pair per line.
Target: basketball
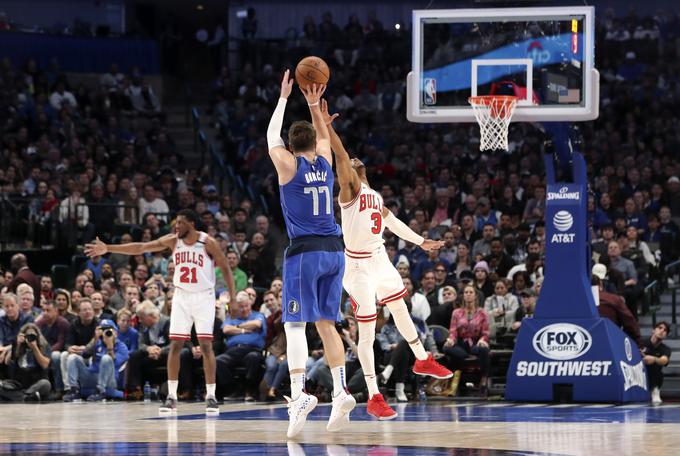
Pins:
x,y
312,70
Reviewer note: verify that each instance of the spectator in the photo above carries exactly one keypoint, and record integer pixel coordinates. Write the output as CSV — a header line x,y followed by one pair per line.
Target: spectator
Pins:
x,y
499,261
151,203
276,362
613,306
501,308
10,326
656,355
482,247
27,300
240,277
126,333
108,356
469,334
53,326
22,274
526,310
78,337
97,300
46,288
62,98
30,363
245,334
154,345
441,314
258,261
631,291
482,282
62,299
464,259
420,307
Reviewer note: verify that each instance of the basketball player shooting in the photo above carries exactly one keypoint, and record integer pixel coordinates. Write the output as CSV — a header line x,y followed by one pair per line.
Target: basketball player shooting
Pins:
x,y
313,262
369,273
195,255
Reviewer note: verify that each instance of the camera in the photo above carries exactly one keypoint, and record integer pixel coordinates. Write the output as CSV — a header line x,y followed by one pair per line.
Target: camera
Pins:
x,y
107,330
30,337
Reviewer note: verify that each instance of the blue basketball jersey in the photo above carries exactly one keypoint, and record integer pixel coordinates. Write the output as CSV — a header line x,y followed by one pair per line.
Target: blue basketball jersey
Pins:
x,y
307,200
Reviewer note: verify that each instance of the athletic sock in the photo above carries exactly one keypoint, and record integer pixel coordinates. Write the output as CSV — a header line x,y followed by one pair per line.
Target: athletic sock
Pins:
x,y
172,389
210,390
297,385
339,383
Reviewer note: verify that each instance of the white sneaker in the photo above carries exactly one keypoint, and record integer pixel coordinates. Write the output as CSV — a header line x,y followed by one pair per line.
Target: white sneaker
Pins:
x,y
343,403
656,396
298,411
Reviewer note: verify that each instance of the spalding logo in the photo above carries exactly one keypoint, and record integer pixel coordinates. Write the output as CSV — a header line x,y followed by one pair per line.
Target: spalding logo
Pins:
x,y
562,341
563,220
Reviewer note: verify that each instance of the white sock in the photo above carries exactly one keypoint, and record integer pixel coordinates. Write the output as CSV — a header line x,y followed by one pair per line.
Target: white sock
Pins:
x,y
366,356
297,385
407,328
172,389
339,383
399,391
387,372
210,390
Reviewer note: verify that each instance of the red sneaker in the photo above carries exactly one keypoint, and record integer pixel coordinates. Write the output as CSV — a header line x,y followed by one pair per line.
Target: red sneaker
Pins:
x,y
431,367
378,408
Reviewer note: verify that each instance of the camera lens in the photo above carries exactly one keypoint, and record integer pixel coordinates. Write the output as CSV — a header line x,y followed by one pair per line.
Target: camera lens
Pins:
x,y
31,337
108,333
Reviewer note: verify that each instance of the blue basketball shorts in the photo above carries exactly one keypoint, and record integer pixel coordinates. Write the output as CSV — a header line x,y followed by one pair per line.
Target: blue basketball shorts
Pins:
x,y
312,279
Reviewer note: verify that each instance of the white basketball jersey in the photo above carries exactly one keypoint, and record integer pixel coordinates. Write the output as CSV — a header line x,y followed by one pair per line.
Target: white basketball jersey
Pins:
x,y
362,222
194,269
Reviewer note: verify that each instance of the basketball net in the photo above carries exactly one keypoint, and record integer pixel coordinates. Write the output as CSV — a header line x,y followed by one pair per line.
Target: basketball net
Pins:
x,y
493,113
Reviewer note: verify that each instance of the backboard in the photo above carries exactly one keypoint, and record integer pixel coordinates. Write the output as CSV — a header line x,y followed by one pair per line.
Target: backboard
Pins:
x,y
544,56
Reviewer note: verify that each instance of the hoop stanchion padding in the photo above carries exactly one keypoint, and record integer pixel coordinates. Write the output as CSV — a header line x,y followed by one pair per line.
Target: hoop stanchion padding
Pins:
x,y
493,113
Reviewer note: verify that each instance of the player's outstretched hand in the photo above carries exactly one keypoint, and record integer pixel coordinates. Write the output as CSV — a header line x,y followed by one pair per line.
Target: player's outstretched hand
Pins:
x,y
286,85
429,244
328,118
313,93
97,248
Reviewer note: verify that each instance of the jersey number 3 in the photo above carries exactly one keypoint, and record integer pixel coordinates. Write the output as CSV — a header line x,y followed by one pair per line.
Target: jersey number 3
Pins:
x,y
188,275
377,222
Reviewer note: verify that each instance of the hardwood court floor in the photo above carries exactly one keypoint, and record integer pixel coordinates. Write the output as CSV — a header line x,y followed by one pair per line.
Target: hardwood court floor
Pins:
x,y
432,428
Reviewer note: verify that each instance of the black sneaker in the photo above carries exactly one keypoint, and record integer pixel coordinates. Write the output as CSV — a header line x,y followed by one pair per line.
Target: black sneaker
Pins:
x,y
169,406
211,405
72,396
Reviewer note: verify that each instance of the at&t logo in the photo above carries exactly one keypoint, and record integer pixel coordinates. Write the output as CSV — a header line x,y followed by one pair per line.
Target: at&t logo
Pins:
x,y
563,221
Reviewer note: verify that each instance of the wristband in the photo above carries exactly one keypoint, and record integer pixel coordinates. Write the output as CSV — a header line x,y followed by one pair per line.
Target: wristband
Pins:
x,y
313,104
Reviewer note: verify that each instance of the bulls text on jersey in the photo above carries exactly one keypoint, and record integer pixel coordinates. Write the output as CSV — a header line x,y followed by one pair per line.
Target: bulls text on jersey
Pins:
x,y
369,201
189,257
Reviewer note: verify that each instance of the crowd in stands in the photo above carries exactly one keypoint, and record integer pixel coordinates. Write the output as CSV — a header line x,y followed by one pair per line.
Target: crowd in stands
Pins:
x,y
98,160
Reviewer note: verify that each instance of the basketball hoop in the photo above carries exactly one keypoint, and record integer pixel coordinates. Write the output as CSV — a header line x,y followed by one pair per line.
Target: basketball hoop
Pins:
x,y
493,113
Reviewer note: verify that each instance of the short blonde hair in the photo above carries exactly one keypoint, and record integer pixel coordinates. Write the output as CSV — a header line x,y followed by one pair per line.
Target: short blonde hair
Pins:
x,y
147,307
24,288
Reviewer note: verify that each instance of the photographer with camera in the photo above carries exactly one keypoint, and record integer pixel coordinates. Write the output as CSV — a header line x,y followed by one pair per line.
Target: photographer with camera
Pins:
x,y
108,355
30,363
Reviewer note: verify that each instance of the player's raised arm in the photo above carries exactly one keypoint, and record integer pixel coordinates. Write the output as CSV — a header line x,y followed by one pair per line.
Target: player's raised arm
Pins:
x,y
284,161
347,175
98,248
313,94
404,232
214,250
